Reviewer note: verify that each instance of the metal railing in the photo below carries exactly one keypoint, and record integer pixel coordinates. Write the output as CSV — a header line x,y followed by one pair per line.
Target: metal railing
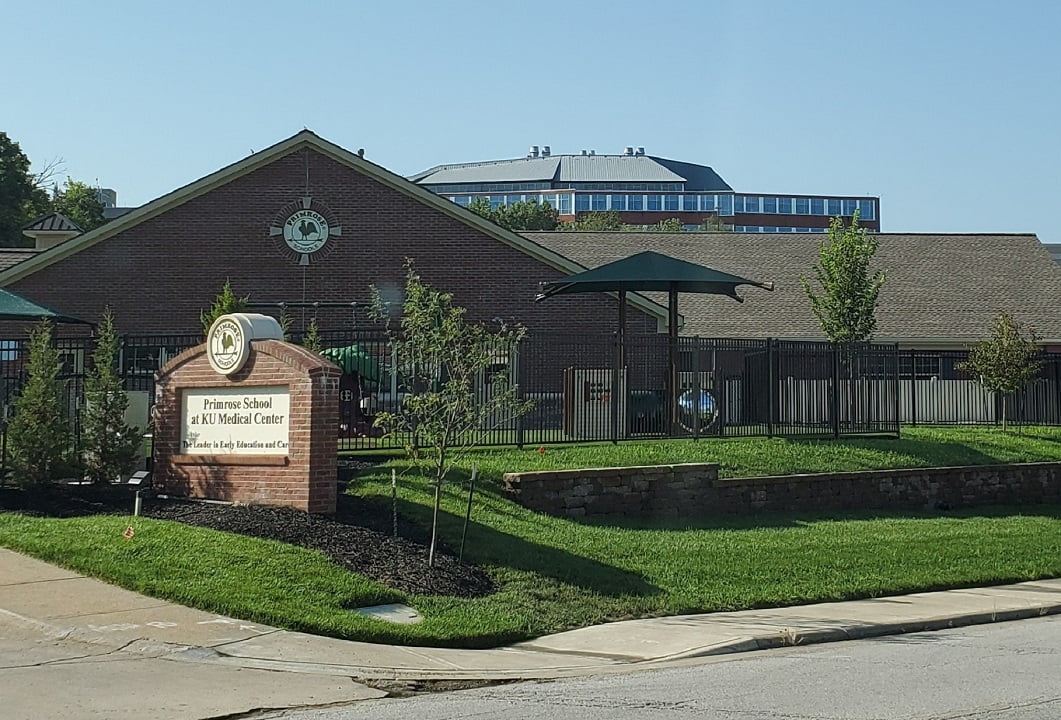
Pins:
x,y
591,388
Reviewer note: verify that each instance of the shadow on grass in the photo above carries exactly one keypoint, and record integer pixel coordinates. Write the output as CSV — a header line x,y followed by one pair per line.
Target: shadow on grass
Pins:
x,y
57,500
929,453
486,545
767,521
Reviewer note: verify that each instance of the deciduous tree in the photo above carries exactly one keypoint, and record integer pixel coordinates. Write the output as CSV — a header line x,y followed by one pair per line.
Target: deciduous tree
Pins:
x,y
1006,362
444,361
846,303
518,217
596,222
80,203
21,197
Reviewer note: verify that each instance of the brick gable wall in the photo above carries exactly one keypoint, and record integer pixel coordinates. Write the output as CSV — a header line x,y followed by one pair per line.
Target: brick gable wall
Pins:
x,y
158,275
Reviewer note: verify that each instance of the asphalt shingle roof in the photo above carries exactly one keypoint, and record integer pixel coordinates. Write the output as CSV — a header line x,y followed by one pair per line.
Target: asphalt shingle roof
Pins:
x,y
940,288
10,257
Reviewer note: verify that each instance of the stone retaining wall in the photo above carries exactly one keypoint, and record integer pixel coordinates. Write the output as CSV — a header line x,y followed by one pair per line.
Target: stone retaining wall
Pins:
x,y
695,489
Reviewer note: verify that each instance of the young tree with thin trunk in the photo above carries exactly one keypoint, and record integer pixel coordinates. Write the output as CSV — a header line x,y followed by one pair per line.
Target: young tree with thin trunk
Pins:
x,y
445,362
1006,362
846,303
312,339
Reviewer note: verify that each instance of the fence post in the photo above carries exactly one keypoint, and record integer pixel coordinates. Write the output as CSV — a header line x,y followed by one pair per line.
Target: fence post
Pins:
x,y
913,387
614,397
836,390
771,398
1057,390
898,393
519,393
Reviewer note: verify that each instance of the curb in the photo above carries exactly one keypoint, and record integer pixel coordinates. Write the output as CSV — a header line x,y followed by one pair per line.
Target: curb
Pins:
x,y
786,639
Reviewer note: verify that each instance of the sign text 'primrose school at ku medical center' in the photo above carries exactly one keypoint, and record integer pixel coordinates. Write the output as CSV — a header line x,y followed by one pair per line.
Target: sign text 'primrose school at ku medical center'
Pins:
x,y
235,421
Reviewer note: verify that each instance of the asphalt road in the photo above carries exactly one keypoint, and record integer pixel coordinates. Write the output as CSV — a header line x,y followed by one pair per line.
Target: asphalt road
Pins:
x,y
1003,671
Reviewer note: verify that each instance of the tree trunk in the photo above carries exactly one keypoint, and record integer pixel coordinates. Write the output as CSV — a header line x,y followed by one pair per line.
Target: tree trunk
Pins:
x,y
1003,413
434,524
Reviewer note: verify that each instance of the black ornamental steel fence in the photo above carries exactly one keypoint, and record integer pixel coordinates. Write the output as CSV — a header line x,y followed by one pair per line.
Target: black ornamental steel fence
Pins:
x,y
598,387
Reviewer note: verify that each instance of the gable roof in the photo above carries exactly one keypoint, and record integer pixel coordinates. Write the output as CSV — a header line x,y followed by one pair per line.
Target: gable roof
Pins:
x,y
304,139
939,289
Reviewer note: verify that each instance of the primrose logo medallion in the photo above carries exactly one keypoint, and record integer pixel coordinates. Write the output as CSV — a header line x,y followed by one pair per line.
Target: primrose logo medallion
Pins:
x,y
306,231
226,345
305,228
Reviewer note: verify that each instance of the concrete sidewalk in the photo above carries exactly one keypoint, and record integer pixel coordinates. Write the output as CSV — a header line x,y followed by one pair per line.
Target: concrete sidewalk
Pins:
x,y
63,604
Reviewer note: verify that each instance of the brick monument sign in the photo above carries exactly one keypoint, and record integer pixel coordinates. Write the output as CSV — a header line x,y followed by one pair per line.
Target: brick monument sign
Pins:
x,y
249,419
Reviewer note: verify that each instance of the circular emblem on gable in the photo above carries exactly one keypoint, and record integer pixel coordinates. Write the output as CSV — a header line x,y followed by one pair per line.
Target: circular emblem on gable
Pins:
x,y
305,231
227,347
305,228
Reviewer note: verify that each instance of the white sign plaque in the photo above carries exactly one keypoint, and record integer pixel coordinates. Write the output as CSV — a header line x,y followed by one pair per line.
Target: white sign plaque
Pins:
x,y
235,421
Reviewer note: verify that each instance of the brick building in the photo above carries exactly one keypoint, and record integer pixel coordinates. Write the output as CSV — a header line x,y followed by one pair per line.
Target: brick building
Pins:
x,y
354,224
308,221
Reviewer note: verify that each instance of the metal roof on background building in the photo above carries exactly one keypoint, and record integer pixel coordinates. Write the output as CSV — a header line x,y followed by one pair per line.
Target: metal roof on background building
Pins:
x,y
55,222
590,168
614,168
519,170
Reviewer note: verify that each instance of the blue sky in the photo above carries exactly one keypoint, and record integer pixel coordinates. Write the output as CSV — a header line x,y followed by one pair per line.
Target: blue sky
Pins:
x,y
949,110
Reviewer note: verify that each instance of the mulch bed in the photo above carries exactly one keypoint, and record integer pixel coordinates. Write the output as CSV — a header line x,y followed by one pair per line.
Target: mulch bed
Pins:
x,y
357,537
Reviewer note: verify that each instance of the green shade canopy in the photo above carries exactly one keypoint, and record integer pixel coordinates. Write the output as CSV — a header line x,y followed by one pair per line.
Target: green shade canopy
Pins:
x,y
648,271
652,271
354,359
16,307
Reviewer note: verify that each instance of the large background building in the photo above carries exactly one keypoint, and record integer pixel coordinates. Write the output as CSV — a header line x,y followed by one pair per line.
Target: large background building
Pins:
x,y
643,189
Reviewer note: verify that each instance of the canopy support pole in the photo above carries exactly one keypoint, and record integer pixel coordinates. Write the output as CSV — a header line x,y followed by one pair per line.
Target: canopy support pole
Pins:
x,y
619,389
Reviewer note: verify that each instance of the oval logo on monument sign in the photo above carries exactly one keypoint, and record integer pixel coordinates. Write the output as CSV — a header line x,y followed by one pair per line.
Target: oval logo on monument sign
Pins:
x,y
227,348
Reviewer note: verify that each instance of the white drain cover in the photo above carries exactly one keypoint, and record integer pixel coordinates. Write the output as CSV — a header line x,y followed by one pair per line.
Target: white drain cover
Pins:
x,y
395,613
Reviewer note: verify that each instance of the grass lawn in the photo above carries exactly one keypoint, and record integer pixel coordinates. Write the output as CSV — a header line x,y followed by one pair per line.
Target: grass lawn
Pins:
x,y
556,574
